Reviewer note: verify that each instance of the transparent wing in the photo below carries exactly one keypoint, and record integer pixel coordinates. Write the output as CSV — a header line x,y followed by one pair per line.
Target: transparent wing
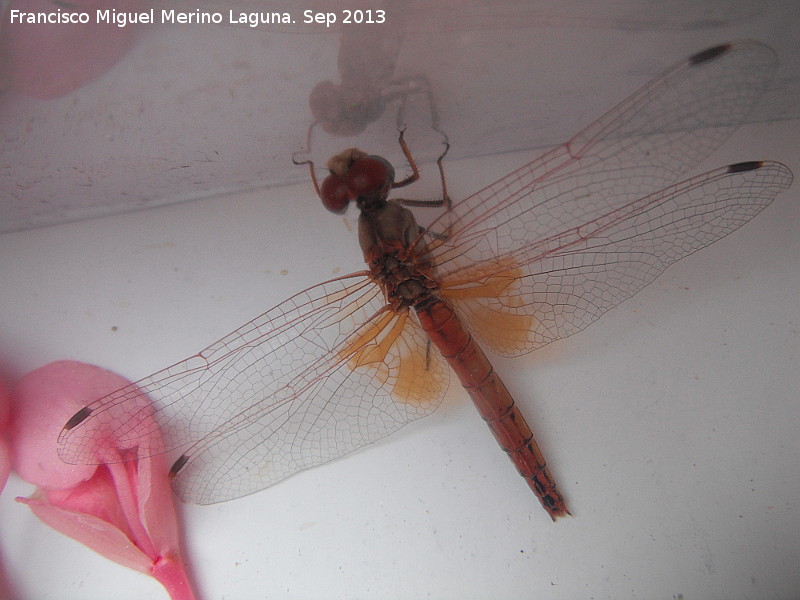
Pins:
x,y
533,257
555,287
322,374
644,144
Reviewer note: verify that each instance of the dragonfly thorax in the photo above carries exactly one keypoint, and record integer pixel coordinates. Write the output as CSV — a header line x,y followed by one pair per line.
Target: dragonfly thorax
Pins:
x,y
405,280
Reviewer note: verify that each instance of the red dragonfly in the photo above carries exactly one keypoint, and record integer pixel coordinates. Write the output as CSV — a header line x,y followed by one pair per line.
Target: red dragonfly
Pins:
x,y
532,258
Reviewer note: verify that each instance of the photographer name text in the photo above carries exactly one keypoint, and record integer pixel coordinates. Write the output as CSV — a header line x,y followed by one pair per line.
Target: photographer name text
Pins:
x,y
197,17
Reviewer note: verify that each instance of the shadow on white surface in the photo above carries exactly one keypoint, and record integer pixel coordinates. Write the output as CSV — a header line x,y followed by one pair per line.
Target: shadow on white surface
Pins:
x,y
192,111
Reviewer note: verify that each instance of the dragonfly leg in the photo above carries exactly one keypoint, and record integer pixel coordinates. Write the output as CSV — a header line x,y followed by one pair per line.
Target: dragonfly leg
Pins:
x,y
445,200
411,162
310,164
430,203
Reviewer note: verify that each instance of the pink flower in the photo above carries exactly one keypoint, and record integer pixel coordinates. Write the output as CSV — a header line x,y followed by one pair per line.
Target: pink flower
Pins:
x,y
123,506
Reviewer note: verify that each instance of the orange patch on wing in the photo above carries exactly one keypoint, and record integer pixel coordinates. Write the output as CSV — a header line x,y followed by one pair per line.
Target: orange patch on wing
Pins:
x,y
375,351
415,383
487,280
491,287
366,348
394,357
503,331
501,328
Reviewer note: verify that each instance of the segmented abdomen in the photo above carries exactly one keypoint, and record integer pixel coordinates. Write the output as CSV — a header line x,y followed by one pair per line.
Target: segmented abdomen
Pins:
x,y
491,398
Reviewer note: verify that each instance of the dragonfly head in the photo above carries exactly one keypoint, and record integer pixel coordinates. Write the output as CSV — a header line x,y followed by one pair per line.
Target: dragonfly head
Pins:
x,y
355,175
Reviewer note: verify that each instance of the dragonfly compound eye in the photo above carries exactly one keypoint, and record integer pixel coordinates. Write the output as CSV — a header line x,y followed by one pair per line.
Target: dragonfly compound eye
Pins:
x,y
369,174
335,194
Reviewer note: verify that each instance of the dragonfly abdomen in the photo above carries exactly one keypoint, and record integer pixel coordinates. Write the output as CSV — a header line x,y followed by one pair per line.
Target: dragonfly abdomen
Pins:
x,y
491,398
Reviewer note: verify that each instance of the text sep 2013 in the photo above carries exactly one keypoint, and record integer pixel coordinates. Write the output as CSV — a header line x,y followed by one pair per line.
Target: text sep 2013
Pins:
x,y
198,17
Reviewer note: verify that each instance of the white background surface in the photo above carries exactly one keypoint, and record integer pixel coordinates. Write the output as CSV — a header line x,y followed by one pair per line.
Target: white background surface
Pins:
x,y
671,424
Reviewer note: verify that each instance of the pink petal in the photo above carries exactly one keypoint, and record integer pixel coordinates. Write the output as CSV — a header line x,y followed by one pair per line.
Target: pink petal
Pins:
x,y
94,533
5,461
157,505
5,452
5,405
96,497
42,402
46,60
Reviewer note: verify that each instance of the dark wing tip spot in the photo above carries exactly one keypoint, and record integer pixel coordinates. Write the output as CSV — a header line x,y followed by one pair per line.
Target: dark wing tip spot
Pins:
x,y
709,54
178,465
745,166
78,418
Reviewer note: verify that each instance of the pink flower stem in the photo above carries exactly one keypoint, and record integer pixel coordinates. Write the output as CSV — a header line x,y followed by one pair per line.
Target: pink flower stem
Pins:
x,y
171,573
